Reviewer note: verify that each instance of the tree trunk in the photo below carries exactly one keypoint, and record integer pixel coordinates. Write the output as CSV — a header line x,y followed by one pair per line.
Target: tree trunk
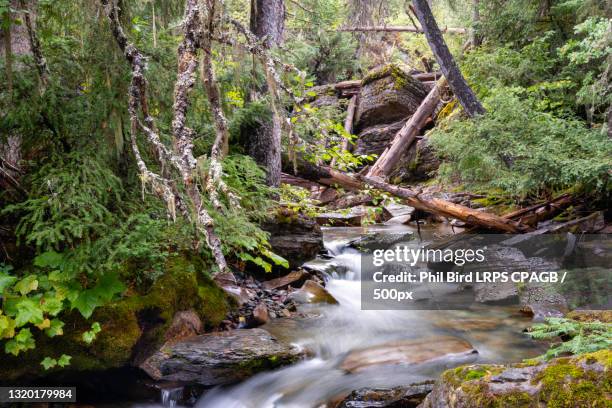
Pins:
x,y
8,52
407,134
447,63
447,209
322,175
268,23
348,125
474,36
268,20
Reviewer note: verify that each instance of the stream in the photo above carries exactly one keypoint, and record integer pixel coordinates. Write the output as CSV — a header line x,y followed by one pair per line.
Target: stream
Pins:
x,y
329,332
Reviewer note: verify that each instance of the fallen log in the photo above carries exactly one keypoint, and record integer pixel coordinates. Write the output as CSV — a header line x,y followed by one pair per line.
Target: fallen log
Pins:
x,y
348,125
539,212
352,87
404,29
328,176
447,209
407,134
589,224
322,174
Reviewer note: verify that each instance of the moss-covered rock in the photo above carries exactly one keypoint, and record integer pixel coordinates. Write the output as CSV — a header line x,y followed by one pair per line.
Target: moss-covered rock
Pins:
x,y
580,381
388,94
132,327
220,358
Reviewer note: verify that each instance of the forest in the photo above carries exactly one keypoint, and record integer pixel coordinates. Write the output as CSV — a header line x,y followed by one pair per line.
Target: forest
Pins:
x,y
190,191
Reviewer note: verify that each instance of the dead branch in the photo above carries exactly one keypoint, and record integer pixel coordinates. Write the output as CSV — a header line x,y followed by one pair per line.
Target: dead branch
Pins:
x,y
406,29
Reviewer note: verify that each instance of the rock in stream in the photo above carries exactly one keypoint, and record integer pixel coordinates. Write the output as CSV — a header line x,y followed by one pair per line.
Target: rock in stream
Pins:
x,y
220,358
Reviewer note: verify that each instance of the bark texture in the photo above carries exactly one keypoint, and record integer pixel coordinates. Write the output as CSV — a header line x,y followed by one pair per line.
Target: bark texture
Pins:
x,y
268,20
267,24
456,81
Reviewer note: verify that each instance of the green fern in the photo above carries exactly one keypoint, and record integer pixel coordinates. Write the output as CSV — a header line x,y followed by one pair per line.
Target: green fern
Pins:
x,y
580,337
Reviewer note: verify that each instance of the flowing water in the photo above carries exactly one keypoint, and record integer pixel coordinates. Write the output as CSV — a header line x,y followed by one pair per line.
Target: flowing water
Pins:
x,y
329,332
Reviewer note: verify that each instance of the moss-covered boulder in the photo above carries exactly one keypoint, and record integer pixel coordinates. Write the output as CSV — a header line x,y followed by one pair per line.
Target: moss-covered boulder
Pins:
x,y
388,94
132,327
220,358
581,381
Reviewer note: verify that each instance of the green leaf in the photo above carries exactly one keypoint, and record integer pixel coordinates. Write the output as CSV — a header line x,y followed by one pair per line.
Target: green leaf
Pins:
x,y
6,281
86,302
64,360
109,286
48,363
277,259
52,305
22,342
7,327
48,259
28,311
27,285
55,329
311,93
95,327
88,337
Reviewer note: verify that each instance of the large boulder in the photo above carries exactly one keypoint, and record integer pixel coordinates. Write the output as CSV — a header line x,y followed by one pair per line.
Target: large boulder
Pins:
x,y
374,139
220,358
294,236
418,164
582,381
388,94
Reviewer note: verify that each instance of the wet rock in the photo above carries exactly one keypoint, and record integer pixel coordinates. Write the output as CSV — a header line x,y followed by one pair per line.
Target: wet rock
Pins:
x,y
496,293
295,237
397,210
340,219
220,358
397,397
294,279
380,240
374,139
469,325
353,217
312,292
408,352
260,314
581,381
388,94
184,324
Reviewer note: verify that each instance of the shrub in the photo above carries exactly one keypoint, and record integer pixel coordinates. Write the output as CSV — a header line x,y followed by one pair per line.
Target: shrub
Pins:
x,y
522,151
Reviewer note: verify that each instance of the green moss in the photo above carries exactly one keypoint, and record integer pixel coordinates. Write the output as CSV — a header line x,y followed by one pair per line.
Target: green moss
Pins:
x,y
136,319
478,394
461,374
572,382
400,78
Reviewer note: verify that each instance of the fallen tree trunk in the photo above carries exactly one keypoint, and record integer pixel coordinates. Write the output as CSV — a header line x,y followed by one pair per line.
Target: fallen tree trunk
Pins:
x,y
331,177
348,125
322,175
407,134
351,87
447,209
534,214
403,29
